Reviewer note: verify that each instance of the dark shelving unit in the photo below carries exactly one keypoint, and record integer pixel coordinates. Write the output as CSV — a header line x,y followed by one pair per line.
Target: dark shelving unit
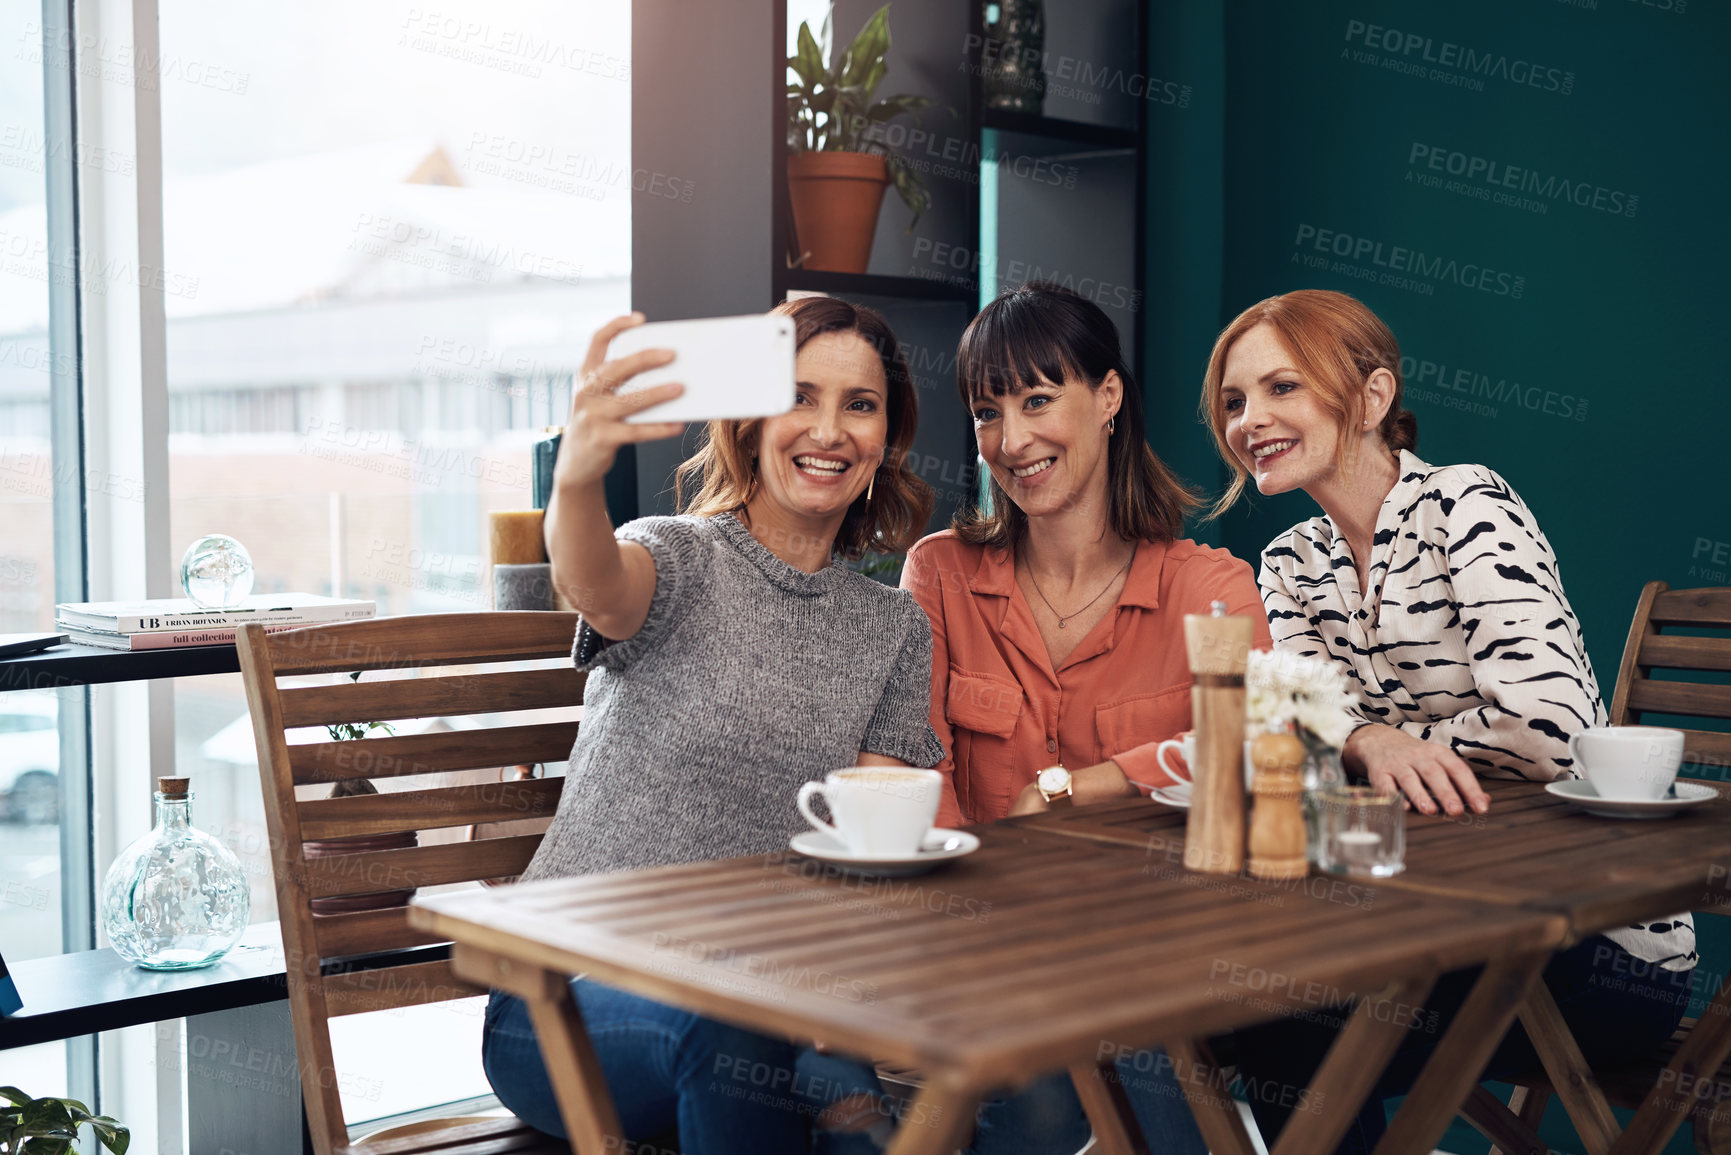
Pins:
x,y
74,665
1073,131
1015,195
871,285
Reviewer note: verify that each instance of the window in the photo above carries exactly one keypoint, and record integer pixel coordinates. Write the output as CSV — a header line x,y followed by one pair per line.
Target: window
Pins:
x,y
37,728
385,252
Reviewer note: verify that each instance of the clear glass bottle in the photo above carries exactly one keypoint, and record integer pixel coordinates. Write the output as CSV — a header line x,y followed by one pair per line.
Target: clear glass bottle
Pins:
x,y
177,898
1322,770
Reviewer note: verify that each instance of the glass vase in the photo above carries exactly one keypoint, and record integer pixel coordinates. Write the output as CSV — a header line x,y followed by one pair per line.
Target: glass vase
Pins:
x,y
1321,770
175,899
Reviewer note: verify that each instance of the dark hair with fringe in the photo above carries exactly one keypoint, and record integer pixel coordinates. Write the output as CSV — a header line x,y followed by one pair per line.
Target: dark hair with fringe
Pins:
x,y
1336,342
725,472
1041,334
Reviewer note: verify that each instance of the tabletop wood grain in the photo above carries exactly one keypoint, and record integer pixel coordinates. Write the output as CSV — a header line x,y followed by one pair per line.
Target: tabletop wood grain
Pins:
x,y
1034,953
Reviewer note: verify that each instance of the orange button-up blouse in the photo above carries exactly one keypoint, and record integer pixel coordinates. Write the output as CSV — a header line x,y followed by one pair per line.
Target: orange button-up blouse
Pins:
x,y
1004,714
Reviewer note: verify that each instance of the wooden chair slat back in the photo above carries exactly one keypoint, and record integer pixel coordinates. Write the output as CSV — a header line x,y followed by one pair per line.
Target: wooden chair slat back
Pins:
x,y
364,932
418,866
421,640
358,992
1649,649
403,810
403,698
399,756
337,877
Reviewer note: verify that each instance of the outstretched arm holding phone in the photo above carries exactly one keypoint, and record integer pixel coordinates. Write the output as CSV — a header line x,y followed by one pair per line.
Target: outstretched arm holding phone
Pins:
x,y
609,582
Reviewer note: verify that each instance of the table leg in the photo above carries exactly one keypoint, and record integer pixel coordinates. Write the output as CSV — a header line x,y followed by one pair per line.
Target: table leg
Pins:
x,y
939,1119
1569,1073
1352,1067
1116,1131
1680,1083
1210,1101
1509,1133
572,1066
1454,1067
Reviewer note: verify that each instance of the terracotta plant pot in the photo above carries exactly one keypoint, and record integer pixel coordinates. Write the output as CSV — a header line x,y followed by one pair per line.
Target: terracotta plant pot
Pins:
x,y
360,844
836,197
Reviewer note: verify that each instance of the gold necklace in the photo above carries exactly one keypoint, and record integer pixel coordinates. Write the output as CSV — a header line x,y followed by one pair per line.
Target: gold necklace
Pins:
x,y
1061,617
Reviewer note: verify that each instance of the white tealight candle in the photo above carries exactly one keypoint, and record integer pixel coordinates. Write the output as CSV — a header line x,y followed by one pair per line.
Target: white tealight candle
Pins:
x,y
1360,839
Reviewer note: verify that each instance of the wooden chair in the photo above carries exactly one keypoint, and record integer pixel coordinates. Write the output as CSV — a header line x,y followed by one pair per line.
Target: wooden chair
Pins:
x,y
370,959
1706,614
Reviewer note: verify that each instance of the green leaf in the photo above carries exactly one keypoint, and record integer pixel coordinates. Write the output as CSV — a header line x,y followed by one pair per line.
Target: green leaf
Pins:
x,y
867,49
891,107
45,1116
807,59
910,188
47,1145
111,1134
873,78
15,1096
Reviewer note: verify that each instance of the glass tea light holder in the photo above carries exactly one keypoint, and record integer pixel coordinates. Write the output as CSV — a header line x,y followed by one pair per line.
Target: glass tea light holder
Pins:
x,y
1362,831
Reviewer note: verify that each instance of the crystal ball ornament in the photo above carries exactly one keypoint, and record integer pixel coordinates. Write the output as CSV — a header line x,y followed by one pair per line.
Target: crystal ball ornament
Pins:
x,y
216,572
176,899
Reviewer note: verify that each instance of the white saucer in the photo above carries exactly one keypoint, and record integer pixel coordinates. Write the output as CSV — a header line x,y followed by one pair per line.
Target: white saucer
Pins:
x,y
1581,793
941,845
1178,794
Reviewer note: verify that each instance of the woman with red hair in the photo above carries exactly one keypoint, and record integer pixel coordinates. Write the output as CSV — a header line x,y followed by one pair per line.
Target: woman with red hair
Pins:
x,y
1435,589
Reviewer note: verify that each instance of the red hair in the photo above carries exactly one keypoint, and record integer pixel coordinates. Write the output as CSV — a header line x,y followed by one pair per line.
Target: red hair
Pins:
x,y
1335,343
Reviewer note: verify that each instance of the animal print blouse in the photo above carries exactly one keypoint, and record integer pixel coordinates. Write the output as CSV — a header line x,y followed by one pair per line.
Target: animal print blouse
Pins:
x,y
1464,635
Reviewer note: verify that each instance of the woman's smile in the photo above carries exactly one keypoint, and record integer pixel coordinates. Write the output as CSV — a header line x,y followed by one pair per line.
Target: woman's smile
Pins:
x,y
822,468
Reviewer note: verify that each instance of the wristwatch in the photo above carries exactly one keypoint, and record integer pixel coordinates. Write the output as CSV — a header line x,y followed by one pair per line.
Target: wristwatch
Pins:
x,y
1053,783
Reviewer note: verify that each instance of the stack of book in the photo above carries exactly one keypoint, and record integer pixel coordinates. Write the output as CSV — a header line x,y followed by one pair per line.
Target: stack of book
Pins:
x,y
171,623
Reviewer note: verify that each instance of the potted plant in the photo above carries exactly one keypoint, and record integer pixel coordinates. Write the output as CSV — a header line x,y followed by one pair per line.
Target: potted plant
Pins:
x,y
838,163
50,1126
358,843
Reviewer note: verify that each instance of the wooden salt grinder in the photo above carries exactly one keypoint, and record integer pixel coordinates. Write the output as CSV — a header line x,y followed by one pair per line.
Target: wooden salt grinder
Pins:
x,y
1219,650
1277,835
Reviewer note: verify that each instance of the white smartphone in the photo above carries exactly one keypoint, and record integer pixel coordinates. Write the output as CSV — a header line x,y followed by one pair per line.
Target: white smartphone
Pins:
x,y
731,367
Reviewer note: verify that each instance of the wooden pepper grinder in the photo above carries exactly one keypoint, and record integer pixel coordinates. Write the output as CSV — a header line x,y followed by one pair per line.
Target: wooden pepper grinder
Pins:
x,y
1219,650
1278,846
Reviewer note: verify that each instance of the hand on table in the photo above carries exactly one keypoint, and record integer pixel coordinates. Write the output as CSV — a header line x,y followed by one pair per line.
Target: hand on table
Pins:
x,y
1394,760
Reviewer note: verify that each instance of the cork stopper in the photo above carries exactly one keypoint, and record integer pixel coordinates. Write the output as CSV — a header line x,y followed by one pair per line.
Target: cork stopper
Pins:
x,y
174,787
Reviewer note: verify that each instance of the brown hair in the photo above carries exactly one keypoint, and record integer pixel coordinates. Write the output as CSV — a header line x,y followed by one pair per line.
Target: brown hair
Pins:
x,y
1335,343
724,468
1039,334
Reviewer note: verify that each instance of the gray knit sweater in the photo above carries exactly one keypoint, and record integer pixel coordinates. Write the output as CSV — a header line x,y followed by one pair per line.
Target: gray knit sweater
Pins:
x,y
748,678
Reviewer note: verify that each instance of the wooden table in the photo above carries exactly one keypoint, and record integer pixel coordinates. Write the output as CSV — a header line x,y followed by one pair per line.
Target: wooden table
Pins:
x,y
1534,851
1038,953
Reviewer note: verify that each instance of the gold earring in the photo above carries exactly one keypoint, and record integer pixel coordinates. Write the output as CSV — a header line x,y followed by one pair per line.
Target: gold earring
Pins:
x,y
869,485
1111,425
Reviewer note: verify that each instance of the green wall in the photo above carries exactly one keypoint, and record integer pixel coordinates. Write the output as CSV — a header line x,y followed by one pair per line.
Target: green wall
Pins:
x,y
1594,382
1575,349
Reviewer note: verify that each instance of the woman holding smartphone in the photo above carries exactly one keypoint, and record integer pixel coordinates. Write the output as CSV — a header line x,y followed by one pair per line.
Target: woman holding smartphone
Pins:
x,y
731,657
1435,589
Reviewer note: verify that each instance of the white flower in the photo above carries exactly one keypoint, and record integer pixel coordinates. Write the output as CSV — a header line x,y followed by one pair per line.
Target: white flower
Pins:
x,y
1311,693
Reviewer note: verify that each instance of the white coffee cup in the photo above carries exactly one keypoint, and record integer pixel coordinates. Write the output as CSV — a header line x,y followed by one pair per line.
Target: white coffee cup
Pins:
x,y
1628,762
1187,747
878,809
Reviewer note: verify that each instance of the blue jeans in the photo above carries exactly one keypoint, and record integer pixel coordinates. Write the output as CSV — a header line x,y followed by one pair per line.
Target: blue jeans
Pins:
x,y
1617,1007
1043,1118
726,1090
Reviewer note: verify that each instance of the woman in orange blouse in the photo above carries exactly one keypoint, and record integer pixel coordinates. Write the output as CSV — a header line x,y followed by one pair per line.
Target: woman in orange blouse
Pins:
x,y
1058,618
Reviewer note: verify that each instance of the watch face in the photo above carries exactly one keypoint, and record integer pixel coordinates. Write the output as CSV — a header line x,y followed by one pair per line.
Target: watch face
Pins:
x,y
1053,779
